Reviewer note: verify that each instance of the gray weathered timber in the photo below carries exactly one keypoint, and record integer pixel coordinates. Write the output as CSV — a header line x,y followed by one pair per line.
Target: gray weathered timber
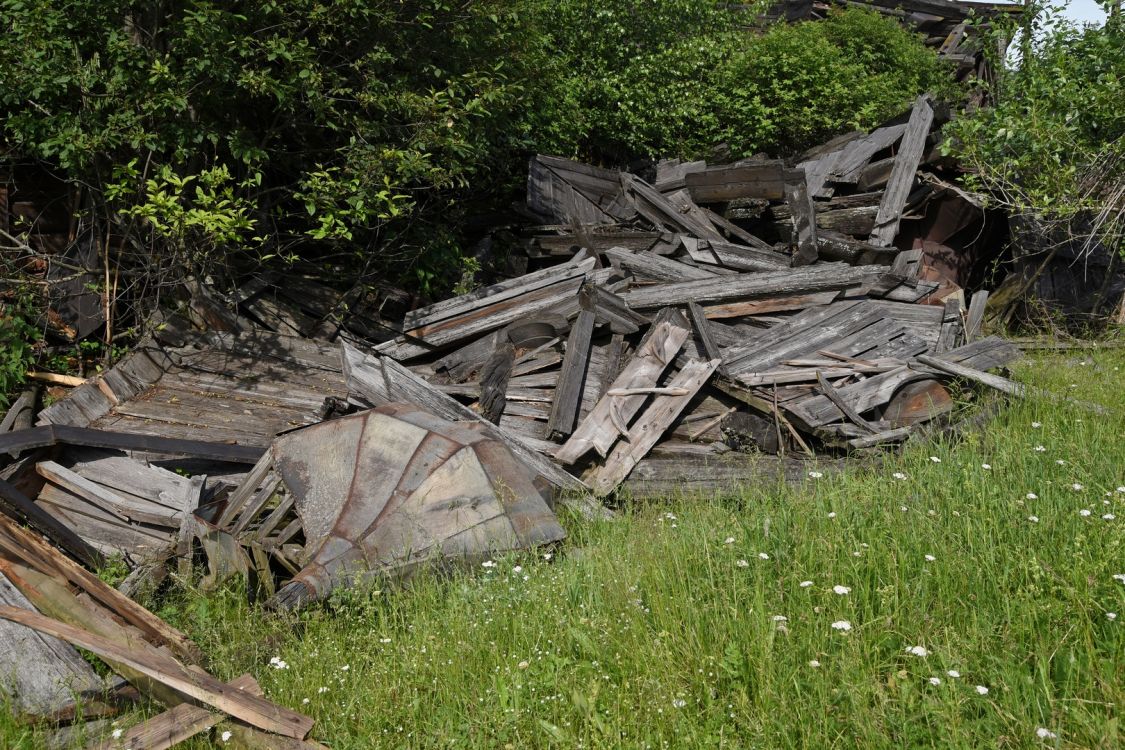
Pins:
x,y
661,212
494,378
40,675
613,311
974,319
568,393
381,380
818,278
651,425
725,183
902,174
649,267
804,221
703,330
115,504
734,257
830,391
552,196
610,416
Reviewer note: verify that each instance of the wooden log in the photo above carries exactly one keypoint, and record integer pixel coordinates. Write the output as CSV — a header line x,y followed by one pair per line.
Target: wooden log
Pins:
x,y
819,278
651,425
725,183
568,394
601,427
200,686
902,174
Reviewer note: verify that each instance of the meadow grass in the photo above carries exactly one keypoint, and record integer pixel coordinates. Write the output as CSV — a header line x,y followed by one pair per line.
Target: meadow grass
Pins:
x,y
688,623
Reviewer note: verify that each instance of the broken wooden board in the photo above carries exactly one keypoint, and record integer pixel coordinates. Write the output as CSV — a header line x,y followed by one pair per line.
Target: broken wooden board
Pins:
x,y
902,174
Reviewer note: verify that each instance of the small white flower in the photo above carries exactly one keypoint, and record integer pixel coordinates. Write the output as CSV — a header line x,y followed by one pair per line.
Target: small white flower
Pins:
x,y
742,564
935,680
729,540
679,703
841,590
857,553
1060,462
898,475
1077,487
1119,577
935,459
225,736
903,508
842,625
384,640
1031,496
917,650
345,668
547,556
278,663
815,475
832,514
763,556
986,467
930,558
1121,490
814,663
524,664
1045,734
953,673
982,690
116,733
1036,425
805,584
517,569
321,690
488,564
1108,517
1040,449
305,701
1033,519
780,618
1111,616
1085,512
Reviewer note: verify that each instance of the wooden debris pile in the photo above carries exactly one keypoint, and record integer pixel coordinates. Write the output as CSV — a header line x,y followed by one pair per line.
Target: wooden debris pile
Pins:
x,y
752,306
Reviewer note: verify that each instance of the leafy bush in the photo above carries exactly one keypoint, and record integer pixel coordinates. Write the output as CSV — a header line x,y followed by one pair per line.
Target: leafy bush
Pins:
x,y
17,350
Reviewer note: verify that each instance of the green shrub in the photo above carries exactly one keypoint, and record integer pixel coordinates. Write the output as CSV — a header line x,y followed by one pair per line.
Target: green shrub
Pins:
x,y
17,350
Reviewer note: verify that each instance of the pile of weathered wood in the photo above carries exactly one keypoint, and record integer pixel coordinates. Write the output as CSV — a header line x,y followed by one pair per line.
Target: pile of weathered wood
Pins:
x,y
661,322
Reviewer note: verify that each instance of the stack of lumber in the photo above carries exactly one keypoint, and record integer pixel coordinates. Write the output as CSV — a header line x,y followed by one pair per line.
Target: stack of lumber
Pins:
x,y
665,320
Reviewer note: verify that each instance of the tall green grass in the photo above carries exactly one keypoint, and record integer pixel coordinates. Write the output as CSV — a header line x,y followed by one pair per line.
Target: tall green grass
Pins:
x,y
686,624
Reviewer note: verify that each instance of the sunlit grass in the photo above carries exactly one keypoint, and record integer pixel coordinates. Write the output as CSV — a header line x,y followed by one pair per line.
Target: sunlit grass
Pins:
x,y
664,628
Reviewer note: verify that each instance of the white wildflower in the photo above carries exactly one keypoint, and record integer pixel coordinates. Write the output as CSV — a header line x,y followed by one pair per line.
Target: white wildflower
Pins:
x,y
935,459
679,703
742,564
1040,449
305,701
488,564
278,663
935,680
841,590
982,690
1033,519
1085,512
524,664
917,650
1077,487
1121,490
953,673
1031,496
384,640
780,618
1060,462
986,467
903,508
1119,577
1036,425
842,625
898,475
345,668
763,556
1111,616
832,514
517,569
117,733
1045,734
1108,517
547,556
930,558
805,584
814,663
321,690
729,540
815,475
225,736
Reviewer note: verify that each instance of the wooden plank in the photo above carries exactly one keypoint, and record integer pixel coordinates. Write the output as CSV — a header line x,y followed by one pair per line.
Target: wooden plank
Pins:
x,y
830,391
252,709
974,320
176,725
902,174
381,380
804,221
20,414
19,506
568,394
601,427
720,184
768,305
251,510
702,329
855,156
651,267
666,215
106,499
651,425
245,491
494,378
818,278
192,496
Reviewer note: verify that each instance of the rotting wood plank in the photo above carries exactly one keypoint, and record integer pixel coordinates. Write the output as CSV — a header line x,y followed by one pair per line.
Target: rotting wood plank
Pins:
x,y
200,686
768,305
106,499
609,417
902,174
974,319
651,425
702,328
19,506
818,278
804,221
494,378
245,491
568,393
829,390
656,268
726,183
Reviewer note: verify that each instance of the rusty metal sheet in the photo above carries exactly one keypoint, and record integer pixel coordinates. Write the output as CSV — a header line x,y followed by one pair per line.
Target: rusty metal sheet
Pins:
x,y
388,489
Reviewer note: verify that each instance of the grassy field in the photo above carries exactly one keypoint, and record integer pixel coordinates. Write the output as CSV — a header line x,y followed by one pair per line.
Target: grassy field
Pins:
x,y
959,595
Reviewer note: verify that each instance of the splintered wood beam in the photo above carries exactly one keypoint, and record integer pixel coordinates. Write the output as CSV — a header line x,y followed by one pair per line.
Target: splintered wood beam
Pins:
x,y
651,425
19,506
902,173
568,393
602,426
494,377
167,671
706,339
974,319
804,221
829,390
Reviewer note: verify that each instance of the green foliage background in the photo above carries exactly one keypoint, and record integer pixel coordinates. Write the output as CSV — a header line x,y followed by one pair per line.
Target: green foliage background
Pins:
x,y
367,130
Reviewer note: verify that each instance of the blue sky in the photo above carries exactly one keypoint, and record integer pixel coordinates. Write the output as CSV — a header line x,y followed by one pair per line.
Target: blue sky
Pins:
x,y
1085,11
